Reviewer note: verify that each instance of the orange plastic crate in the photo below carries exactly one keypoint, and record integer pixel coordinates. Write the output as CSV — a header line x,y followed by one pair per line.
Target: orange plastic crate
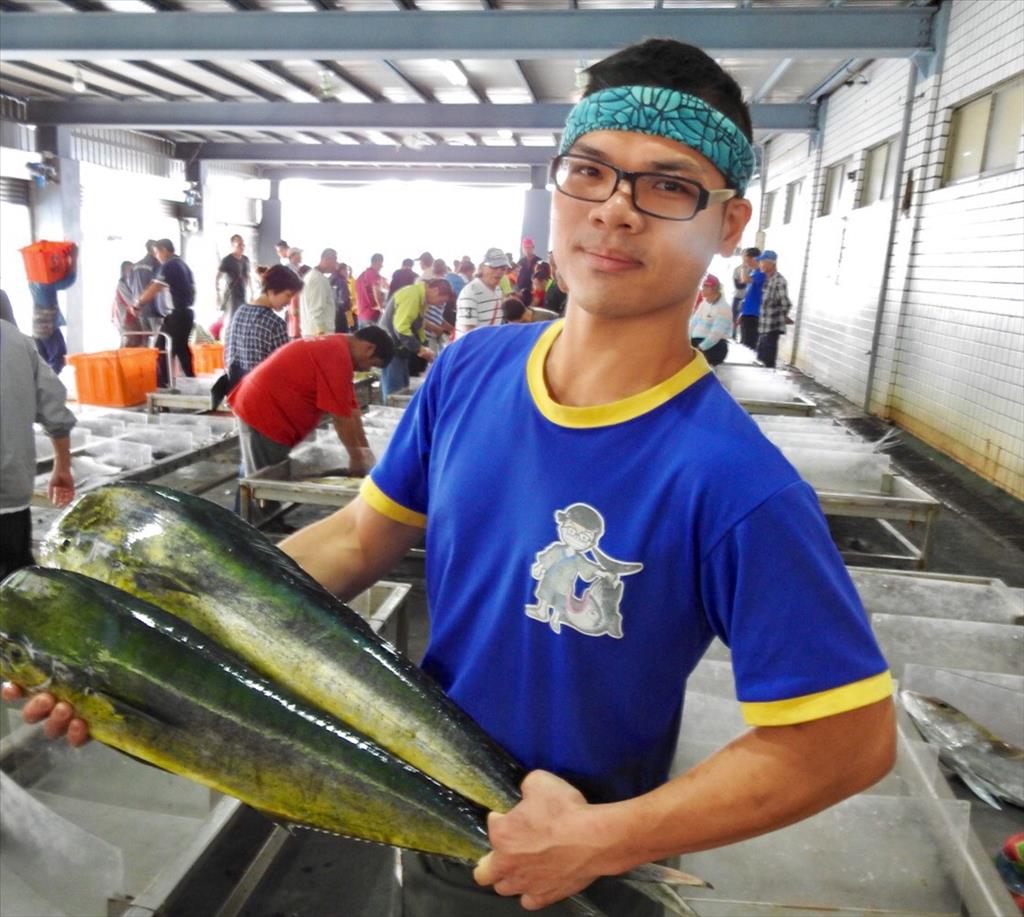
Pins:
x,y
115,378
46,262
207,358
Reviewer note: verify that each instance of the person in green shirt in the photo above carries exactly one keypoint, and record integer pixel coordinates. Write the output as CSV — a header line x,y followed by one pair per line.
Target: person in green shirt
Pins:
x,y
404,318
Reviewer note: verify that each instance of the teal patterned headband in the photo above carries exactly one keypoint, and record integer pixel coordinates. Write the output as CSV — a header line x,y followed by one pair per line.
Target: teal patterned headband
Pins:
x,y
666,113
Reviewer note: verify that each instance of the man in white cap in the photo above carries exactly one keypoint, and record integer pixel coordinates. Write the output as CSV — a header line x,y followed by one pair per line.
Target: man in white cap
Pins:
x,y
479,302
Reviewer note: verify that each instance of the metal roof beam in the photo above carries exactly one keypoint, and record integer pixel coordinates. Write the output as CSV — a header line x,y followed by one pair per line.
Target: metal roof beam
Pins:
x,y
881,32
437,155
383,116
363,176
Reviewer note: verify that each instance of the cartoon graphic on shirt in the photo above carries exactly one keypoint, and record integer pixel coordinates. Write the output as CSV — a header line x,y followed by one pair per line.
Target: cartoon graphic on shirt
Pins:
x,y
576,556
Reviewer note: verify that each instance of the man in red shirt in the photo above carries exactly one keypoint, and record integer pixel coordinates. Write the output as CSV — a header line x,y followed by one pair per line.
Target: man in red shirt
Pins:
x,y
369,295
280,402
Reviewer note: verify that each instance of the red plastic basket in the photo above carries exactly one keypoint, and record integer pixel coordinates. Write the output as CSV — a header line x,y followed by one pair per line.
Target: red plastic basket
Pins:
x,y
46,262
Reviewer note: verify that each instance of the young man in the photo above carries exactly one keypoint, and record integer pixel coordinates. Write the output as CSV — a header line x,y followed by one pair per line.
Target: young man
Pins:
x,y
30,392
526,264
775,306
513,312
234,268
405,319
281,401
579,668
479,302
369,299
174,276
316,302
740,280
404,276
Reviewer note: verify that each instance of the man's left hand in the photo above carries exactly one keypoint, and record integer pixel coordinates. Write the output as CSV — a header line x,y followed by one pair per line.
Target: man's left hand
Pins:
x,y
543,849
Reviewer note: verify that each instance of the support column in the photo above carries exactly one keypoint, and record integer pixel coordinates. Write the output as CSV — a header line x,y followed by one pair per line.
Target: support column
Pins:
x,y
269,230
537,211
57,215
196,208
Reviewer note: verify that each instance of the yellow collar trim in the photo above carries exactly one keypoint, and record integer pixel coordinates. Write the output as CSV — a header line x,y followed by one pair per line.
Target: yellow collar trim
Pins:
x,y
614,412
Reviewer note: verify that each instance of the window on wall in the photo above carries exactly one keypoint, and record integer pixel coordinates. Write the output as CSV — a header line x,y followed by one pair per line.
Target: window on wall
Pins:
x,y
768,211
878,166
794,190
835,185
985,134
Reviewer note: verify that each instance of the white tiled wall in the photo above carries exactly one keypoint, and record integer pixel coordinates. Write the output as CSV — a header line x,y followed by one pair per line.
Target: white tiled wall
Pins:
x,y
950,358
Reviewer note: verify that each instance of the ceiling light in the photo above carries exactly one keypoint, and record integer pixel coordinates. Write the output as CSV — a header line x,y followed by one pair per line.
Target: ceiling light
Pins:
x,y
78,84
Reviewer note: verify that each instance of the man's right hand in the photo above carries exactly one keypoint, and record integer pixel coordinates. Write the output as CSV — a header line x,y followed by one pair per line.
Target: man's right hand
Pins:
x,y
425,353
58,717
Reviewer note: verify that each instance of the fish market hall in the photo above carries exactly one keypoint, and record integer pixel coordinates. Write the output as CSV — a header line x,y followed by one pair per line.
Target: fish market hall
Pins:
x,y
626,515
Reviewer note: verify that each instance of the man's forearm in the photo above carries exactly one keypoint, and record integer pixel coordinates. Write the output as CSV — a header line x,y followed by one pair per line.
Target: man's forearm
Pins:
x,y
767,778
61,453
351,549
149,293
350,432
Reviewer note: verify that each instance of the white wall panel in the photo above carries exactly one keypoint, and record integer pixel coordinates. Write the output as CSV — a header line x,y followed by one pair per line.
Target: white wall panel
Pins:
x,y
949,362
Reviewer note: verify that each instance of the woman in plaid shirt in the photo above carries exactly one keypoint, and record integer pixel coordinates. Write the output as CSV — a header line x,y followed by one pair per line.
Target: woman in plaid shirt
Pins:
x,y
256,331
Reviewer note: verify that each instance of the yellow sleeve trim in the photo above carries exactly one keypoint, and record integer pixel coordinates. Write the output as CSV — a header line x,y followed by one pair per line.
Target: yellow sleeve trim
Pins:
x,y
816,706
384,505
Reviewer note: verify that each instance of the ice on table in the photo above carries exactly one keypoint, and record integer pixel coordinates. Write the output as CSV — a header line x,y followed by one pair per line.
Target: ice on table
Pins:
x,y
838,472
947,644
164,441
932,597
846,444
886,854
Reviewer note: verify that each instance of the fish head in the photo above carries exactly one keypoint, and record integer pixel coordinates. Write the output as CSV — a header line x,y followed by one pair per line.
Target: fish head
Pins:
x,y
938,721
40,640
22,664
86,533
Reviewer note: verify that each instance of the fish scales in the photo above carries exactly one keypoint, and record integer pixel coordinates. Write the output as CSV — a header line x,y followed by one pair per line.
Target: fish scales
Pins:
x,y
152,686
202,563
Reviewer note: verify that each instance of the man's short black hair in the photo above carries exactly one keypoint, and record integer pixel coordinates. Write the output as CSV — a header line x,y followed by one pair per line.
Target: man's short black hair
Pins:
x,y
439,283
664,62
166,244
383,346
278,279
407,262
752,252
282,244
512,308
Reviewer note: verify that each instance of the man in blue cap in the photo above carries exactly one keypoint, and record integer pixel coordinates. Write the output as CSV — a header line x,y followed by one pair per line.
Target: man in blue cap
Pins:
x,y
775,306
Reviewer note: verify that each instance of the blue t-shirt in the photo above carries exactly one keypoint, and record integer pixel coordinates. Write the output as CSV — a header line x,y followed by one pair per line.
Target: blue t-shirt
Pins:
x,y
752,298
580,561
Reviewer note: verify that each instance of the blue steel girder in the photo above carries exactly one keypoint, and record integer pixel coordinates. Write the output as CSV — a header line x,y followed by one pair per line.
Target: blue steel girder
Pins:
x,y
384,116
876,32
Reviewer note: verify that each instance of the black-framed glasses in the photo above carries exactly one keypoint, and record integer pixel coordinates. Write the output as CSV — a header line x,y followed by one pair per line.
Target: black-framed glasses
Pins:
x,y
668,197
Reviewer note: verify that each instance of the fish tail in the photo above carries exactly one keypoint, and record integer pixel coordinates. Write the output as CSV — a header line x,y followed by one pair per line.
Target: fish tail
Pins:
x,y
663,894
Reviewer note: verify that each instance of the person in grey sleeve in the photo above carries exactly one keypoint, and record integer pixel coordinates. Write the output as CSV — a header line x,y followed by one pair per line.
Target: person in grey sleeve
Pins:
x,y
29,392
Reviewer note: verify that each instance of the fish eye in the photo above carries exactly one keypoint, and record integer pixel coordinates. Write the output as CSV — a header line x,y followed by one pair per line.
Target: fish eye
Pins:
x,y
65,544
